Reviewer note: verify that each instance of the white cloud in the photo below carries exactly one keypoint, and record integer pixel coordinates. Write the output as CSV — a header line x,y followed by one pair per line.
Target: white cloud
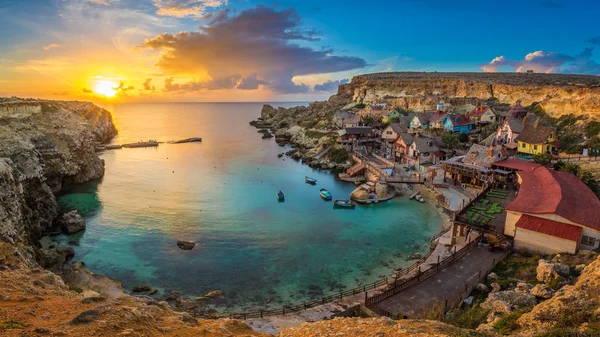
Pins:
x,y
186,8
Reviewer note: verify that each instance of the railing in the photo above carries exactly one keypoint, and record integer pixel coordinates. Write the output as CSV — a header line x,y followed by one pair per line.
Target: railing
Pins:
x,y
575,159
371,302
341,294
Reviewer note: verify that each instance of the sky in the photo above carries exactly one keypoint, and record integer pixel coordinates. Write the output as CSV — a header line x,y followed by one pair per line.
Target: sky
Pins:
x,y
246,50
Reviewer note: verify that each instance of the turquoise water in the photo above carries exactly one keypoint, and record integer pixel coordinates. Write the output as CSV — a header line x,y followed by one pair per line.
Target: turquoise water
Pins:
x,y
222,193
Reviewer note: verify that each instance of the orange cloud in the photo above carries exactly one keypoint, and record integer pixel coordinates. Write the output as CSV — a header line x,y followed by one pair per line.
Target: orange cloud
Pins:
x,y
50,46
186,8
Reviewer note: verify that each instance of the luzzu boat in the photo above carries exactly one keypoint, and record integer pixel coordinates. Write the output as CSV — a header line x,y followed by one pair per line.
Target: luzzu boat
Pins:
x,y
280,196
344,204
325,194
309,180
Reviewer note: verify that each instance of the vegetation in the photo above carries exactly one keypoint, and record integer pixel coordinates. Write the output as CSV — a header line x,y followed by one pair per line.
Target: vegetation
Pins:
x,y
76,289
467,318
339,155
519,266
508,323
570,321
360,106
450,139
569,136
542,158
463,138
47,107
592,129
586,177
10,325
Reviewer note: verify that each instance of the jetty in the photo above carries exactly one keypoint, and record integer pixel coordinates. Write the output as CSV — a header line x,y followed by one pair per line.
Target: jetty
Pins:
x,y
379,167
187,140
150,143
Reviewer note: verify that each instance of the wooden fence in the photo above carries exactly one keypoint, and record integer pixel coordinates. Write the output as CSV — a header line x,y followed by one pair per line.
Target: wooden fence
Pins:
x,y
338,296
576,159
401,285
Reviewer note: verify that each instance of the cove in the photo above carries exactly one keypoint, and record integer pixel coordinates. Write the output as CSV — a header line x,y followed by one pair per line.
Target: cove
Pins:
x,y
222,193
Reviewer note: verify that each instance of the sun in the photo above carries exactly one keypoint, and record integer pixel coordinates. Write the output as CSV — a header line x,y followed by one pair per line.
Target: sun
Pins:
x,y
106,88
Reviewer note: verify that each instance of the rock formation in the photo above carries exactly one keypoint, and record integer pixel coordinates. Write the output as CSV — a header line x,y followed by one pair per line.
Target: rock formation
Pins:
x,y
558,94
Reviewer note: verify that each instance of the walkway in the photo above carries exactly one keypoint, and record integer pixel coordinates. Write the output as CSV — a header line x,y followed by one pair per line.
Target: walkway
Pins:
x,y
447,284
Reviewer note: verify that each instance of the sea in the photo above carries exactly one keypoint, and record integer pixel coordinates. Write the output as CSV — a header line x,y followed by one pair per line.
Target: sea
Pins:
x,y
221,193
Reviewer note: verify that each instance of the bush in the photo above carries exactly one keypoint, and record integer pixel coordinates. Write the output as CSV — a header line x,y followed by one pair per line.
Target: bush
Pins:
x,y
570,142
542,158
339,155
467,318
463,138
360,106
592,129
508,323
10,325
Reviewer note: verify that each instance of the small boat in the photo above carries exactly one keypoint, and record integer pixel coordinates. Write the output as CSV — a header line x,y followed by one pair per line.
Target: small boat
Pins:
x,y
280,196
325,194
344,203
310,180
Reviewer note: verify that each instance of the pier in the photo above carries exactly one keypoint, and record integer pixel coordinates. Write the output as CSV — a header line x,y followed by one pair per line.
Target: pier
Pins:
x,y
378,166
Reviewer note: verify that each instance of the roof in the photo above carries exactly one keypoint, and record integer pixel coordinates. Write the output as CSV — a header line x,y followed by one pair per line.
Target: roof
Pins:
x,y
438,116
352,119
483,156
517,164
359,130
517,110
459,120
550,227
511,145
398,128
545,191
423,117
480,110
535,134
425,144
407,138
341,114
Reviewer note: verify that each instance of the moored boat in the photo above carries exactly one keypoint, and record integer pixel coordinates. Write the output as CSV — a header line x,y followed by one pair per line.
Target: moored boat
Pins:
x,y
344,203
325,194
280,196
309,180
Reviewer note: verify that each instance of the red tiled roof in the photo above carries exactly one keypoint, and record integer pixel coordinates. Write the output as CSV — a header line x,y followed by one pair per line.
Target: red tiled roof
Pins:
x,y
545,191
479,111
550,227
458,120
517,164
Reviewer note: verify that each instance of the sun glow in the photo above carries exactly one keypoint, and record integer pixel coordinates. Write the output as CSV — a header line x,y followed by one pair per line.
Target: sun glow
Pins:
x,y
106,88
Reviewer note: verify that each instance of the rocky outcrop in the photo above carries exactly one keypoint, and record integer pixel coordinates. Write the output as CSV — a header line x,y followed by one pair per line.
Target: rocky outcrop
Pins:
x,y
505,302
558,94
71,222
186,245
43,146
550,271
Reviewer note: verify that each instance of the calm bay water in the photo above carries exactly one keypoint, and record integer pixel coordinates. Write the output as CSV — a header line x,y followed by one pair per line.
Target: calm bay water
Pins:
x,y
221,193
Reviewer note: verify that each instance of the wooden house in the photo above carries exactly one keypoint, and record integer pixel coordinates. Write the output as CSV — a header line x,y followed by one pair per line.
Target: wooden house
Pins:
x,y
537,139
483,115
458,123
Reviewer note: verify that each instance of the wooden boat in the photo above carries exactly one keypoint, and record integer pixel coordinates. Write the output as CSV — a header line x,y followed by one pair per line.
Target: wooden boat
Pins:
x,y
280,196
325,195
344,203
310,180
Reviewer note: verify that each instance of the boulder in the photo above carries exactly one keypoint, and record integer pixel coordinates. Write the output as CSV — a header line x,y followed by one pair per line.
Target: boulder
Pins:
x,y
71,222
482,288
495,288
55,258
542,291
523,287
492,277
142,288
549,271
579,268
505,302
186,245
214,293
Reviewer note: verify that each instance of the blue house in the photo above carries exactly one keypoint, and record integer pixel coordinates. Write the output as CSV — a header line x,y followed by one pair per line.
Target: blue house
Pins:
x,y
458,124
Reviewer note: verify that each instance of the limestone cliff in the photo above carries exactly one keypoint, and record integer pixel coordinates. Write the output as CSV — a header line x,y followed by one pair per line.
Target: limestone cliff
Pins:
x,y
558,94
43,145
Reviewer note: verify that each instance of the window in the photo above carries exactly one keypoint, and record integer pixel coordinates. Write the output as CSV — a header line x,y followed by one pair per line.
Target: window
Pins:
x,y
588,240
535,147
523,145
388,132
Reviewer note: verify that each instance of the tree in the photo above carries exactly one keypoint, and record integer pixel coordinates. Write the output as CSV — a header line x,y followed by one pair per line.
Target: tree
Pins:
x,y
542,158
463,138
450,139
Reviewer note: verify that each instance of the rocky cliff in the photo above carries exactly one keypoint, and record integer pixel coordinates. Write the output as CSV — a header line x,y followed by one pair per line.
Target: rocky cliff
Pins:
x,y
44,145
558,94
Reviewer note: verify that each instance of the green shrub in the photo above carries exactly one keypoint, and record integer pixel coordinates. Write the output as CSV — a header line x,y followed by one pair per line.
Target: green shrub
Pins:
x,y
360,106
508,323
76,289
467,318
339,155
10,325
592,129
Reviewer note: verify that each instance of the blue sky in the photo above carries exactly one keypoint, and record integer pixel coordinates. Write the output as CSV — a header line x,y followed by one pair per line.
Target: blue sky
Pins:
x,y
284,50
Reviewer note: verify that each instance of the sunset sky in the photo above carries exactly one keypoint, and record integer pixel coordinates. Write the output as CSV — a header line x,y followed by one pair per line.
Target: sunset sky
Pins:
x,y
243,50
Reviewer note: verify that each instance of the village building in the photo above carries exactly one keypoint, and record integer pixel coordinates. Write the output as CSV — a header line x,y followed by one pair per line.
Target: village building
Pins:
x,y
402,145
420,121
389,135
339,117
423,153
475,169
436,120
391,116
537,139
517,110
553,212
483,115
458,123
358,137
352,120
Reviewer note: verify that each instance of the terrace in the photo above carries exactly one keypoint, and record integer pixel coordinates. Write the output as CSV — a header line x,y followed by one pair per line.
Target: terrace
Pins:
x,y
487,210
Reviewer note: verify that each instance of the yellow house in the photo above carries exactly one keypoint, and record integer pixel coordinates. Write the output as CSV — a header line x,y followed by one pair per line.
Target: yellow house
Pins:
x,y
554,213
537,139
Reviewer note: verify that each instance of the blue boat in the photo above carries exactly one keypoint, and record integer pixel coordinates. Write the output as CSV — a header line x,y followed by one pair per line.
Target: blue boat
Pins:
x,y
325,194
280,196
309,180
344,204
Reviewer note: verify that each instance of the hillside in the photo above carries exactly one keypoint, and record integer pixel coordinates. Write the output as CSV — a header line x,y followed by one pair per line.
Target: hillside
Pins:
x,y
558,94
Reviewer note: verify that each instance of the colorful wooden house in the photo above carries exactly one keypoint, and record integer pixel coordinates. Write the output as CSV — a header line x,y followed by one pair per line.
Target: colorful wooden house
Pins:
x,y
483,115
458,124
420,120
537,139
517,110
402,144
